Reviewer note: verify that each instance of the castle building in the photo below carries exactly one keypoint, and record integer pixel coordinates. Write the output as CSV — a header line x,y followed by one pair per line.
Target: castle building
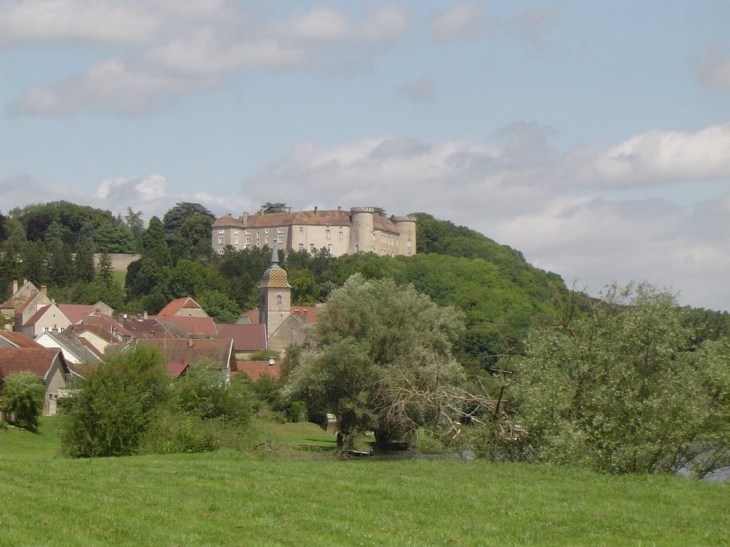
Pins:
x,y
361,229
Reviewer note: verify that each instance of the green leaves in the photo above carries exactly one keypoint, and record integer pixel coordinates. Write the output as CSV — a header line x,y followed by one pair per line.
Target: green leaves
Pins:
x,y
620,392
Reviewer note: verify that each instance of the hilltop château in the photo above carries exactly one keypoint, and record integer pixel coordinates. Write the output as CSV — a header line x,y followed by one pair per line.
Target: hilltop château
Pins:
x,y
361,229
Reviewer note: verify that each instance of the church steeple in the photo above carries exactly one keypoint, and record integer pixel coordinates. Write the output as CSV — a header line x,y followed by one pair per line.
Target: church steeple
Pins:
x,y
274,296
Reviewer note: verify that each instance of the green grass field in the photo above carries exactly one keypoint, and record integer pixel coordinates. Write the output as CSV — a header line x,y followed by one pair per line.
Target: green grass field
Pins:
x,y
229,498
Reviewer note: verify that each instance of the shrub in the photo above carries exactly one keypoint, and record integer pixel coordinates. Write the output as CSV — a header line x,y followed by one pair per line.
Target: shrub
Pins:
x,y
115,406
23,394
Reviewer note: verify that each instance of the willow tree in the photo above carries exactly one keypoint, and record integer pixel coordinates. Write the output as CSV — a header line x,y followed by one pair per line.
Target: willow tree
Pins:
x,y
623,390
380,358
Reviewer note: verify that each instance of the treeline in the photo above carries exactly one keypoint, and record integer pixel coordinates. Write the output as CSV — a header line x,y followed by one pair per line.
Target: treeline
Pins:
x,y
501,295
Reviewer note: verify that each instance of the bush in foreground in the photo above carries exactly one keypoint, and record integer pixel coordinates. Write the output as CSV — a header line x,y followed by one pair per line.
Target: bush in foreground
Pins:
x,y
22,397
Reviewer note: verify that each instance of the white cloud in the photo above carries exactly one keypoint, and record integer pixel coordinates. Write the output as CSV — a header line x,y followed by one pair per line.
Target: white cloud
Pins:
x,y
713,69
461,22
110,86
468,21
657,157
177,48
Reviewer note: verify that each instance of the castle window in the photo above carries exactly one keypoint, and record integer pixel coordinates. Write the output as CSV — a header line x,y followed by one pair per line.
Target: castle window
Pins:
x,y
409,243
235,240
301,229
248,241
280,239
301,246
235,232
258,234
266,230
280,231
266,240
312,248
221,231
248,232
329,248
220,240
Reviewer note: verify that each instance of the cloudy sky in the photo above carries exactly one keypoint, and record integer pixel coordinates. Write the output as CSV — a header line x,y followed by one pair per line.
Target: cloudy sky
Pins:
x,y
593,136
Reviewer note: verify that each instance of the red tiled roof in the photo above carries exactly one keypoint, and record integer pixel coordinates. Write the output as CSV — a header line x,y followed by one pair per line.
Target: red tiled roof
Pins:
x,y
174,370
307,314
35,360
176,305
384,224
245,337
310,218
256,369
191,351
227,220
75,312
19,339
253,316
182,326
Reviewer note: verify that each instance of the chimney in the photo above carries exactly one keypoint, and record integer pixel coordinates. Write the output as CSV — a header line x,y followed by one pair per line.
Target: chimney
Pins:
x,y
15,286
44,288
315,209
339,207
288,210
144,314
190,342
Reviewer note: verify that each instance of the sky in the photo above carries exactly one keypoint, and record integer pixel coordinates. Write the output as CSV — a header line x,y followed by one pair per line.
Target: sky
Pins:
x,y
592,136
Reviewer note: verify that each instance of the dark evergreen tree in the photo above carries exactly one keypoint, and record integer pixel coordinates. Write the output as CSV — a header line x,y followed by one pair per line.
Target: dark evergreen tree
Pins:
x,y
154,246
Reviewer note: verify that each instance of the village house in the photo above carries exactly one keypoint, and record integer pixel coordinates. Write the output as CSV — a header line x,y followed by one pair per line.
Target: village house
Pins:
x,y
48,364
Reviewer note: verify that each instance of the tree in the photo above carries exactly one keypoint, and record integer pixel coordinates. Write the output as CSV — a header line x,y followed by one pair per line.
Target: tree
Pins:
x,y
619,392
380,359
154,246
269,207
187,229
22,396
84,260
115,405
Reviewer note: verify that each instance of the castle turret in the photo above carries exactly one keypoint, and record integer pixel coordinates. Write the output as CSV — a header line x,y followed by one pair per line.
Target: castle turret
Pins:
x,y
406,227
361,232
274,296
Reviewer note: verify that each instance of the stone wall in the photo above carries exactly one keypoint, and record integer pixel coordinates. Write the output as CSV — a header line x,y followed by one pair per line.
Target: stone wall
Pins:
x,y
120,261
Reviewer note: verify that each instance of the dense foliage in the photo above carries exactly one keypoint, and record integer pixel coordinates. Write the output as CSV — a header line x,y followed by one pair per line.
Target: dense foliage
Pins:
x,y
624,390
22,395
380,358
129,405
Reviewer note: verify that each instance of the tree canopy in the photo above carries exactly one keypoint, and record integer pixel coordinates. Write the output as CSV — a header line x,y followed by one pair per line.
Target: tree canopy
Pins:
x,y
380,359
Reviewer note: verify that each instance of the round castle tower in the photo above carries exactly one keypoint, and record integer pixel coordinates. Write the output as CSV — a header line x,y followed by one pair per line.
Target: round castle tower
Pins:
x,y
406,227
361,232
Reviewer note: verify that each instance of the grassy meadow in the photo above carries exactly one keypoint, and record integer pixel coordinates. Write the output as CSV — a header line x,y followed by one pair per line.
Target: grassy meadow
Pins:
x,y
229,498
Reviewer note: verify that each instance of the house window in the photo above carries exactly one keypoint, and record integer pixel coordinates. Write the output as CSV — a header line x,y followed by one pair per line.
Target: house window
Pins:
x,y
266,230
312,248
248,241
280,239
220,240
220,231
301,229
341,236
258,234
248,232
235,240
329,248
301,246
235,232
280,231
266,240
327,234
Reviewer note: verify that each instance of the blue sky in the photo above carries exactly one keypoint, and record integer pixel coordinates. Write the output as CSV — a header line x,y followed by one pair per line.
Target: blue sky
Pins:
x,y
592,136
